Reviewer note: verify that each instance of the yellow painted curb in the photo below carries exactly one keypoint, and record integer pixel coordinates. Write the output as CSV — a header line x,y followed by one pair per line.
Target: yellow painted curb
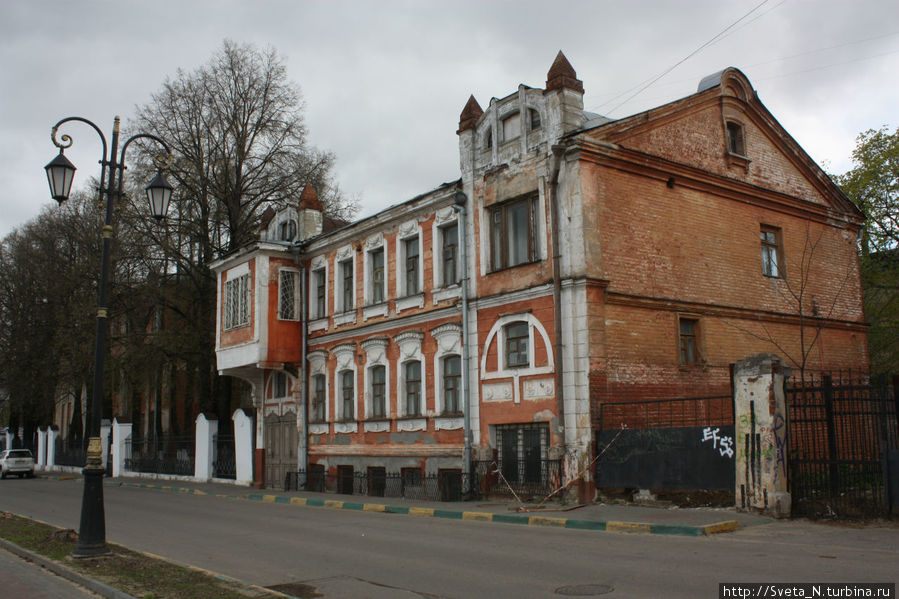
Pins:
x,y
298,500
373,507
628,527
485,516
268,499
545,521
421,511
726,526
332,503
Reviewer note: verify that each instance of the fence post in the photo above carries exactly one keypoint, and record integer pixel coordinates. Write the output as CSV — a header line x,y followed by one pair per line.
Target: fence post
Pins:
x,y
105,428
832,456
760,431
243,447
41,448
120,437
207,428
51,446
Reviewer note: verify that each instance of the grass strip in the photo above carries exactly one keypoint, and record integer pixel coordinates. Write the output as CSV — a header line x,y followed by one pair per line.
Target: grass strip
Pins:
x,y
134,573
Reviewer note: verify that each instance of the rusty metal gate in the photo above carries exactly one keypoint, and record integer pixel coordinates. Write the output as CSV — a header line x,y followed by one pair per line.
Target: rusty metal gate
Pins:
x,y
280,448
843,443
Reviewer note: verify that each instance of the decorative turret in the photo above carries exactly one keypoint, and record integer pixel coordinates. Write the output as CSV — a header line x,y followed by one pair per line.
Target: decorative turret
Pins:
x,y
310,214
565,94
470,115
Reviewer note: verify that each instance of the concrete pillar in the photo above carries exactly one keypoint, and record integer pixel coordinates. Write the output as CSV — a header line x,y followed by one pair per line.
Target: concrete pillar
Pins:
x,y
41,448
52,435
121,439
204,456
243,447
760,434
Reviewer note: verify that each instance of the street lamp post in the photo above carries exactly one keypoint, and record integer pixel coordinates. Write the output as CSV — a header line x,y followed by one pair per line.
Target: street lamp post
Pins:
x,y
60,173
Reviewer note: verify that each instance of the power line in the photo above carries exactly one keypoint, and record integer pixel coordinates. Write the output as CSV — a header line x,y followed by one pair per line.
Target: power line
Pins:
x,y
689,56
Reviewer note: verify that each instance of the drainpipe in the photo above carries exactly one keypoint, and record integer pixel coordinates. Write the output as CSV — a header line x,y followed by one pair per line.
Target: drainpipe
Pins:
x,y
460,206
303,457
557,151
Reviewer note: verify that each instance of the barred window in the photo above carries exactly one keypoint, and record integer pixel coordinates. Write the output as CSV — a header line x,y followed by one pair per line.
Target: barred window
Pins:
x,y
287,295
413,388
452,384
237,302
378,391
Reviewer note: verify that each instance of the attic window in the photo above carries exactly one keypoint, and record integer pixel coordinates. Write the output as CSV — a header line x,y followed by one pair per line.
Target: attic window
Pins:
x,y
511,127
287,230
735,144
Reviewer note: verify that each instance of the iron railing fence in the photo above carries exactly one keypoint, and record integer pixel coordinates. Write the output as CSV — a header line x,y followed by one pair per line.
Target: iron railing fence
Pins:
x,y
225,463
531,480
68,454
168,454
841,433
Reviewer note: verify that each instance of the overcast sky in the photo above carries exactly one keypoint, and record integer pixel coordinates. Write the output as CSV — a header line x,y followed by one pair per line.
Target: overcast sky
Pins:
x,y
384,82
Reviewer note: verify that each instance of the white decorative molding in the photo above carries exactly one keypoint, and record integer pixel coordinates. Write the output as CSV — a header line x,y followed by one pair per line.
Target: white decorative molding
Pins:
x,y
374,242
409,343
376,426
408,229
345,253
539,389
412,424
346,356
410,301
319,325
319,428
346,427
272,409
375,349
448,424
448,337
318,262
345,318
444,216
446,293
373,311
497,392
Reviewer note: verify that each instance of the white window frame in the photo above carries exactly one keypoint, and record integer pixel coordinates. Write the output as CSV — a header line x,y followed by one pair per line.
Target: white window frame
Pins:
x,y
449,342
409,343
374,244
317,265
318,365
344,255
376,355
346,360
407,232
296,293
445,218
237,289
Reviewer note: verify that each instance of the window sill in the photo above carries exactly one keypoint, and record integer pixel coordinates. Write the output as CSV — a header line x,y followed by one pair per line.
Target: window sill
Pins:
x,y
319,324
448,422
373,310
738,160
411,424
345,318
376,425
346,426
447,293
410,301
505,268
319,428
236,327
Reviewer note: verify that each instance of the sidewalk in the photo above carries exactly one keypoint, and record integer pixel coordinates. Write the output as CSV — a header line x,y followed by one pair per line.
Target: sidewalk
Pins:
x,y
602,517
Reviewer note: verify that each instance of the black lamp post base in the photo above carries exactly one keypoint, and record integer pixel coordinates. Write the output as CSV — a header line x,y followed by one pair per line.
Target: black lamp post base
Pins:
x,y
92,535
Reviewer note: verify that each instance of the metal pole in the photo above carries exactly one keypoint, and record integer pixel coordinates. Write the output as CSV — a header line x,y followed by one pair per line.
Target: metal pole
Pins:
x,y
461,201
92,531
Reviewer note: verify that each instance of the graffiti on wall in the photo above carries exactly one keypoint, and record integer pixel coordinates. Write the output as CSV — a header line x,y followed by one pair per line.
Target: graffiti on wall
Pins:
x,y
724,444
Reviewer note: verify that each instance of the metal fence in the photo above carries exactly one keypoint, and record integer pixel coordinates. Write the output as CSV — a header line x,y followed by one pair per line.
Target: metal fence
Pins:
x,y
225,464
446,485
841,436
164,455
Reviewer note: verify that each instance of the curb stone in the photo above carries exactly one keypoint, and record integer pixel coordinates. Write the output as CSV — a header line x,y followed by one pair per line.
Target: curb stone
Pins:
x,y
521,519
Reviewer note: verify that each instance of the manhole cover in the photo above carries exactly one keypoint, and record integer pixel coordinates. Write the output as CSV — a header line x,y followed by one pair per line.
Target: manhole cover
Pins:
x,y
585,590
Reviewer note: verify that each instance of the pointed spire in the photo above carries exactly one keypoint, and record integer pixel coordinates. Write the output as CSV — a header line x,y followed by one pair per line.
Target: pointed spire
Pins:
x,y
561,74
470,115
309,199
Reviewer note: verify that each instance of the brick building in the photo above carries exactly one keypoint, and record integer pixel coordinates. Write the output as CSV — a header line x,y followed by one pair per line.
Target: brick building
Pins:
x,y
606,260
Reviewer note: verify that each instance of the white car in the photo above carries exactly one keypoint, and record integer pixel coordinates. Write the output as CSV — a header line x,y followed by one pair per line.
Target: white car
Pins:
x,y
16,461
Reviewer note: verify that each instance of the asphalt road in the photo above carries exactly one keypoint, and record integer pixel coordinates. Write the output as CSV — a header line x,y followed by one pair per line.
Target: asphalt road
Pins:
x,y
362,554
